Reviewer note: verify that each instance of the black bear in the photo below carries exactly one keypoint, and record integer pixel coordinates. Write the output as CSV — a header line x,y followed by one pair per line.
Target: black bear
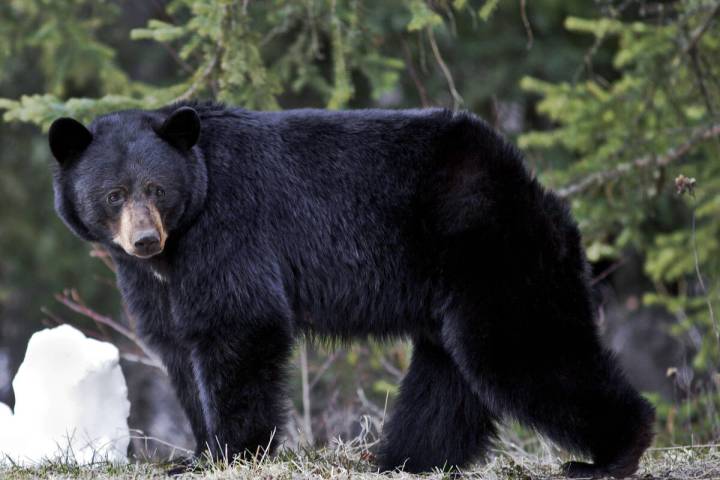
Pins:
x,y
236,231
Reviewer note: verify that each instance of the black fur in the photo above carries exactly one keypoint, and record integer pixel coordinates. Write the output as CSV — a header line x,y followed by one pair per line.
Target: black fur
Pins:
x,y
417,223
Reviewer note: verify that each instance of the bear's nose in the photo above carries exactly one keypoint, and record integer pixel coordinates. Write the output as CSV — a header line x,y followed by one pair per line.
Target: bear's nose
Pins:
x,y
146,241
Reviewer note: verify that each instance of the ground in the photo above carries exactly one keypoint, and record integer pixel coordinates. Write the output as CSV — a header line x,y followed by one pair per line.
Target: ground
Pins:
x,y
346,461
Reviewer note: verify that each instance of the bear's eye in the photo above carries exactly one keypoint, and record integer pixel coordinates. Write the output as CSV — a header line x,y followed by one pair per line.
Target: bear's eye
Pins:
x,y
116,197
159,192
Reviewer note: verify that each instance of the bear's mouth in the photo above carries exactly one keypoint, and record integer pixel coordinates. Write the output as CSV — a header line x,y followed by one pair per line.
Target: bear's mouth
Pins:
x,y
145,253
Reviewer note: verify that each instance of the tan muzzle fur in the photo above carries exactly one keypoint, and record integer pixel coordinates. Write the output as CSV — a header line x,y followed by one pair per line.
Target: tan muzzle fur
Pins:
x,y
137,217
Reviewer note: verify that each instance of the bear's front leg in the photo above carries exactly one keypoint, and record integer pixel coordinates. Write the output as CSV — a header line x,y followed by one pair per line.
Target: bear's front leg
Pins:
x,y
240,378
180,371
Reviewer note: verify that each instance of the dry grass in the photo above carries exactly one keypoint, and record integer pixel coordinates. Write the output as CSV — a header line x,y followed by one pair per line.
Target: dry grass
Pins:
x,y
518,456
351,460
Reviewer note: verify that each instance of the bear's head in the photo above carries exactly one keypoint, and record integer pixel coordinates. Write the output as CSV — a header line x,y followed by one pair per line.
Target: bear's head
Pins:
x,y
131,179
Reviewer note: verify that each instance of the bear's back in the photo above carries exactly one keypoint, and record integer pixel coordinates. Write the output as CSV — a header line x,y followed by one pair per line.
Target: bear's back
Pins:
x,y
352,204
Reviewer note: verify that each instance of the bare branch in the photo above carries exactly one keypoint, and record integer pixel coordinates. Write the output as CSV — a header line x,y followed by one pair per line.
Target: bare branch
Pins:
x,y
648,161
526,23
204,76
141,359
323,368
608,271
422,92
697,34
307,423
390,368
708,302
697,71
102,254
457,98
374,409
177,58
78,307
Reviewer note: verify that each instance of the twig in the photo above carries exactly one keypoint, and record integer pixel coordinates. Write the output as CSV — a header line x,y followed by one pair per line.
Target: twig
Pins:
x,y
109,322
54,321
692,50
176,57
698,74
702,283
697,34
605,273
390,368
141,436
377,411
457,99
684,447
141,359
673,154
599,39
422,92
77,307
99,252
190,92
307,422
526,23
323,368
451,19
51,316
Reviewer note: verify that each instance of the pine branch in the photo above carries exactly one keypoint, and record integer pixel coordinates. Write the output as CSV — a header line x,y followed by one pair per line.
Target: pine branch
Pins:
x,y
649,161
202,79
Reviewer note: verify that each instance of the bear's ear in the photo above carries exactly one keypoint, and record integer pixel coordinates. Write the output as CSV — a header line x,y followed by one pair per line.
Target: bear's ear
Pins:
x,y
68,138
181,128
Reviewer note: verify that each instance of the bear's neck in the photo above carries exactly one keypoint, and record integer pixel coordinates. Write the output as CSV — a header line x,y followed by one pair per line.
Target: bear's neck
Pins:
x,y
198,181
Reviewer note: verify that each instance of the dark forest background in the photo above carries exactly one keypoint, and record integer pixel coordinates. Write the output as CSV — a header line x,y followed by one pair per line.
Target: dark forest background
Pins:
x,y
615,103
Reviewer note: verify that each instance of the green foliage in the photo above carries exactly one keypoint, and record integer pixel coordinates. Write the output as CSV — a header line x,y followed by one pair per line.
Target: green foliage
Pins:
x,y
256,53
627,136
228,51
488,8
67,52
422,16
693,421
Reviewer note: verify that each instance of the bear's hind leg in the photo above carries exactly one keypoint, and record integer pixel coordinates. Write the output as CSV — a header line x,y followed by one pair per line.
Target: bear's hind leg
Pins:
x,y
561,382
437,421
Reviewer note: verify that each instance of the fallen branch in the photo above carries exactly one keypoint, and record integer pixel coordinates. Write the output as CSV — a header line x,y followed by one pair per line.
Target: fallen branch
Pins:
x,y
648,161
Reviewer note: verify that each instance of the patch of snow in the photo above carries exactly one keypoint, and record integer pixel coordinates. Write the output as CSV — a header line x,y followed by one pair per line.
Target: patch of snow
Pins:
x,y
70,402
